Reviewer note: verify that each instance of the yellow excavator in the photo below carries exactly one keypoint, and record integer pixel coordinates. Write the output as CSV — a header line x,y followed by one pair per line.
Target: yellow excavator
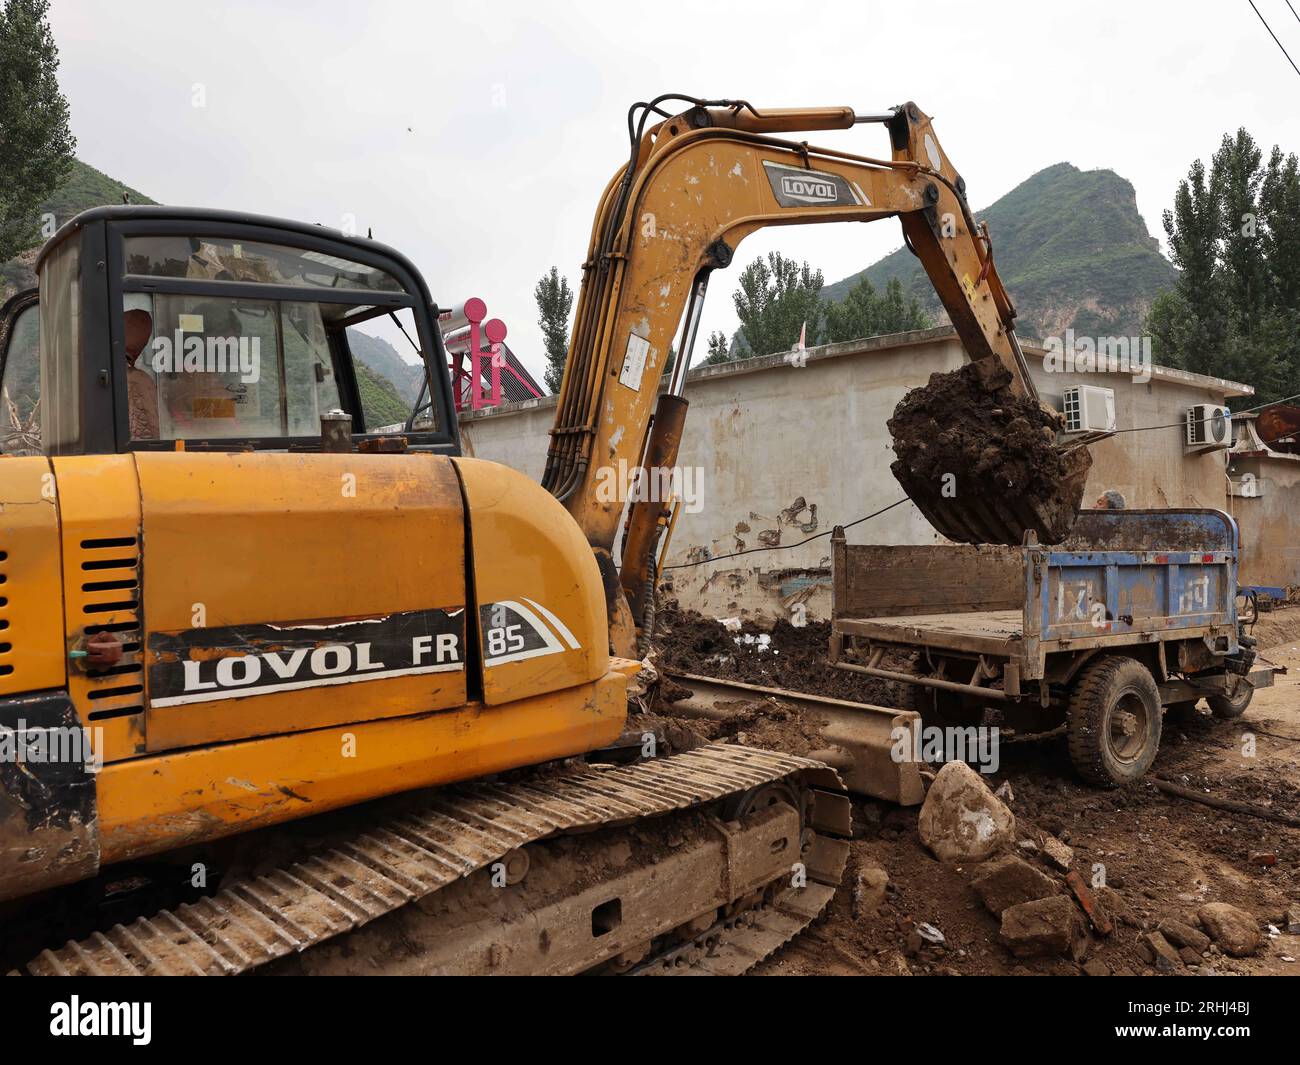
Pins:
x,y
226,607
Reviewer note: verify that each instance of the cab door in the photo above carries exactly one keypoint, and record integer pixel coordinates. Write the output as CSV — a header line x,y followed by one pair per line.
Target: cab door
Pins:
x,y
284,592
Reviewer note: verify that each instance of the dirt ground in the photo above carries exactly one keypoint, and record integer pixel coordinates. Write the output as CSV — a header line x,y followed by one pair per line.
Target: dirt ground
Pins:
x,y
782,657
1164,856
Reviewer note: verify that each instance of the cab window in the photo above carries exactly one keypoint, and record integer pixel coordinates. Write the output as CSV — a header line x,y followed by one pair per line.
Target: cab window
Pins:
x,y
20,390
60,349
219,259
201,367
391,379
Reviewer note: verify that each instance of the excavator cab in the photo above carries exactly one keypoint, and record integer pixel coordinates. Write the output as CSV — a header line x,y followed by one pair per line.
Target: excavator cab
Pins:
x,y
171,328
252,615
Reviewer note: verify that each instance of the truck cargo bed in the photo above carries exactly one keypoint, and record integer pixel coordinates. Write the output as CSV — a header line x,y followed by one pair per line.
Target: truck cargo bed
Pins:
x,y
1123,578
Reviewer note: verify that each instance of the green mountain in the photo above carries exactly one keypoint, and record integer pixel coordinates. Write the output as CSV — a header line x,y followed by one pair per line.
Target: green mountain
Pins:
x,y
1071,248
379,398
381,357
85,187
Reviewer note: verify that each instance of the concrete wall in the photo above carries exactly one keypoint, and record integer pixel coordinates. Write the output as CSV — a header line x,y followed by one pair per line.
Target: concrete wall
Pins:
x,y
786,452
1268,515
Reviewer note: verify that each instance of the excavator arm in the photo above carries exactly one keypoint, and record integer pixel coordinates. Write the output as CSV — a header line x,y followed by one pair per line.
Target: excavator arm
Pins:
x,y
696,184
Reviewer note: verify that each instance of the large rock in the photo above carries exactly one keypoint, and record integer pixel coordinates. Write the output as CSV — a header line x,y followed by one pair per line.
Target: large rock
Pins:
x,y
1183,935
1047,926
869,889
961,819
1160,953
1233,929
1010,881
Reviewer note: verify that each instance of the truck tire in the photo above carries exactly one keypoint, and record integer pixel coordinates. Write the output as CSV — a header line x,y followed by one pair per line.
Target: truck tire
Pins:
x,y
1226,708
1113,721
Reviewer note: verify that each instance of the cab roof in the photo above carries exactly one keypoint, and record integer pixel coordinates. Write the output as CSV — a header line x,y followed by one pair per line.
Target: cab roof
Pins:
x,y
163,213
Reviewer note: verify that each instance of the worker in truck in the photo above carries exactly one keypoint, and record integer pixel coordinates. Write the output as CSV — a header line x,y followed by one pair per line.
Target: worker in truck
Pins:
x,y
142,392
1110,500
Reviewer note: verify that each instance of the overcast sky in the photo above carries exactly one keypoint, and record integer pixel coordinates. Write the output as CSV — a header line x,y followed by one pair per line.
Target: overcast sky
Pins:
x,y
477,137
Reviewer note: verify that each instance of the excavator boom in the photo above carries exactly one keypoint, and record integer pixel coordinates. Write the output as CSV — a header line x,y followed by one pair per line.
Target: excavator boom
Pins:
x,y
696,185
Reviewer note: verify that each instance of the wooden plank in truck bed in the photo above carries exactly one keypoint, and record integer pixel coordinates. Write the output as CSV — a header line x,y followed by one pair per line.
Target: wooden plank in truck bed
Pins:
x,y
996,632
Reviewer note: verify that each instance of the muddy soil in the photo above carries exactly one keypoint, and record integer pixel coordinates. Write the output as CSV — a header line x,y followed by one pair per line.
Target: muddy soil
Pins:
x,y
997,446
1278,626
781,657
1163,856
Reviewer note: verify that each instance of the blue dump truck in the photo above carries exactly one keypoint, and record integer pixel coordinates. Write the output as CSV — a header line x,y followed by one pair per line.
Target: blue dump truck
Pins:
x,y
1134,615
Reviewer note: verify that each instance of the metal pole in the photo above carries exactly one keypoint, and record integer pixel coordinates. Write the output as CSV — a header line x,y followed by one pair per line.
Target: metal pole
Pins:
x,y
928,682
690,328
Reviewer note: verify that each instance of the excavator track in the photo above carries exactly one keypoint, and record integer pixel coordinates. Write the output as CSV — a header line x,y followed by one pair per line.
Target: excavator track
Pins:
x,y
730,822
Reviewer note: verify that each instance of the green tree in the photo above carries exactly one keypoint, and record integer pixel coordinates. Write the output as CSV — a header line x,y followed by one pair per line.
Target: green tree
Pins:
x,y
554,301
775,300
864,313
1235,177
1235,309
36,146
719,349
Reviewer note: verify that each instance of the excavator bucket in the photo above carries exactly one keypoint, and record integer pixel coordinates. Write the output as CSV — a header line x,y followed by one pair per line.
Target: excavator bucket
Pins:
x,y
1000,519
981,459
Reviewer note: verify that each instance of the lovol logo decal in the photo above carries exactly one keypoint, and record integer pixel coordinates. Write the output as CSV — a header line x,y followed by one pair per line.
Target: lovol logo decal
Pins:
x,y
514,631
795,187
232,662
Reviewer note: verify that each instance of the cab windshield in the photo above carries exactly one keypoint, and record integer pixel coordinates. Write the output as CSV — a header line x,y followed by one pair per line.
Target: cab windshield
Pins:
x,y
210,358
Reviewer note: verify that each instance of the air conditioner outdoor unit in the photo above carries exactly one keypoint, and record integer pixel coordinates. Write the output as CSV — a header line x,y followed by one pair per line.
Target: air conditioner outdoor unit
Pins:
x,y
1209,427
1089,409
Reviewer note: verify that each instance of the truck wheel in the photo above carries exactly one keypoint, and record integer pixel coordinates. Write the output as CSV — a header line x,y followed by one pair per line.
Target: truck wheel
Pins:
x,y
1226,708
1113,721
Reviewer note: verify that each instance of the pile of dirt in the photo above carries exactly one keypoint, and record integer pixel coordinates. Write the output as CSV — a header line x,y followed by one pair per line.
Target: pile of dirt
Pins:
x,y
960,442
767,724
790,657
1279,626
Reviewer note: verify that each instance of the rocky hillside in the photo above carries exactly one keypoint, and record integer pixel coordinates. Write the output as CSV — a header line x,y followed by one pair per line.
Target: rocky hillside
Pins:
x,y
84,188
377,353
1072,250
